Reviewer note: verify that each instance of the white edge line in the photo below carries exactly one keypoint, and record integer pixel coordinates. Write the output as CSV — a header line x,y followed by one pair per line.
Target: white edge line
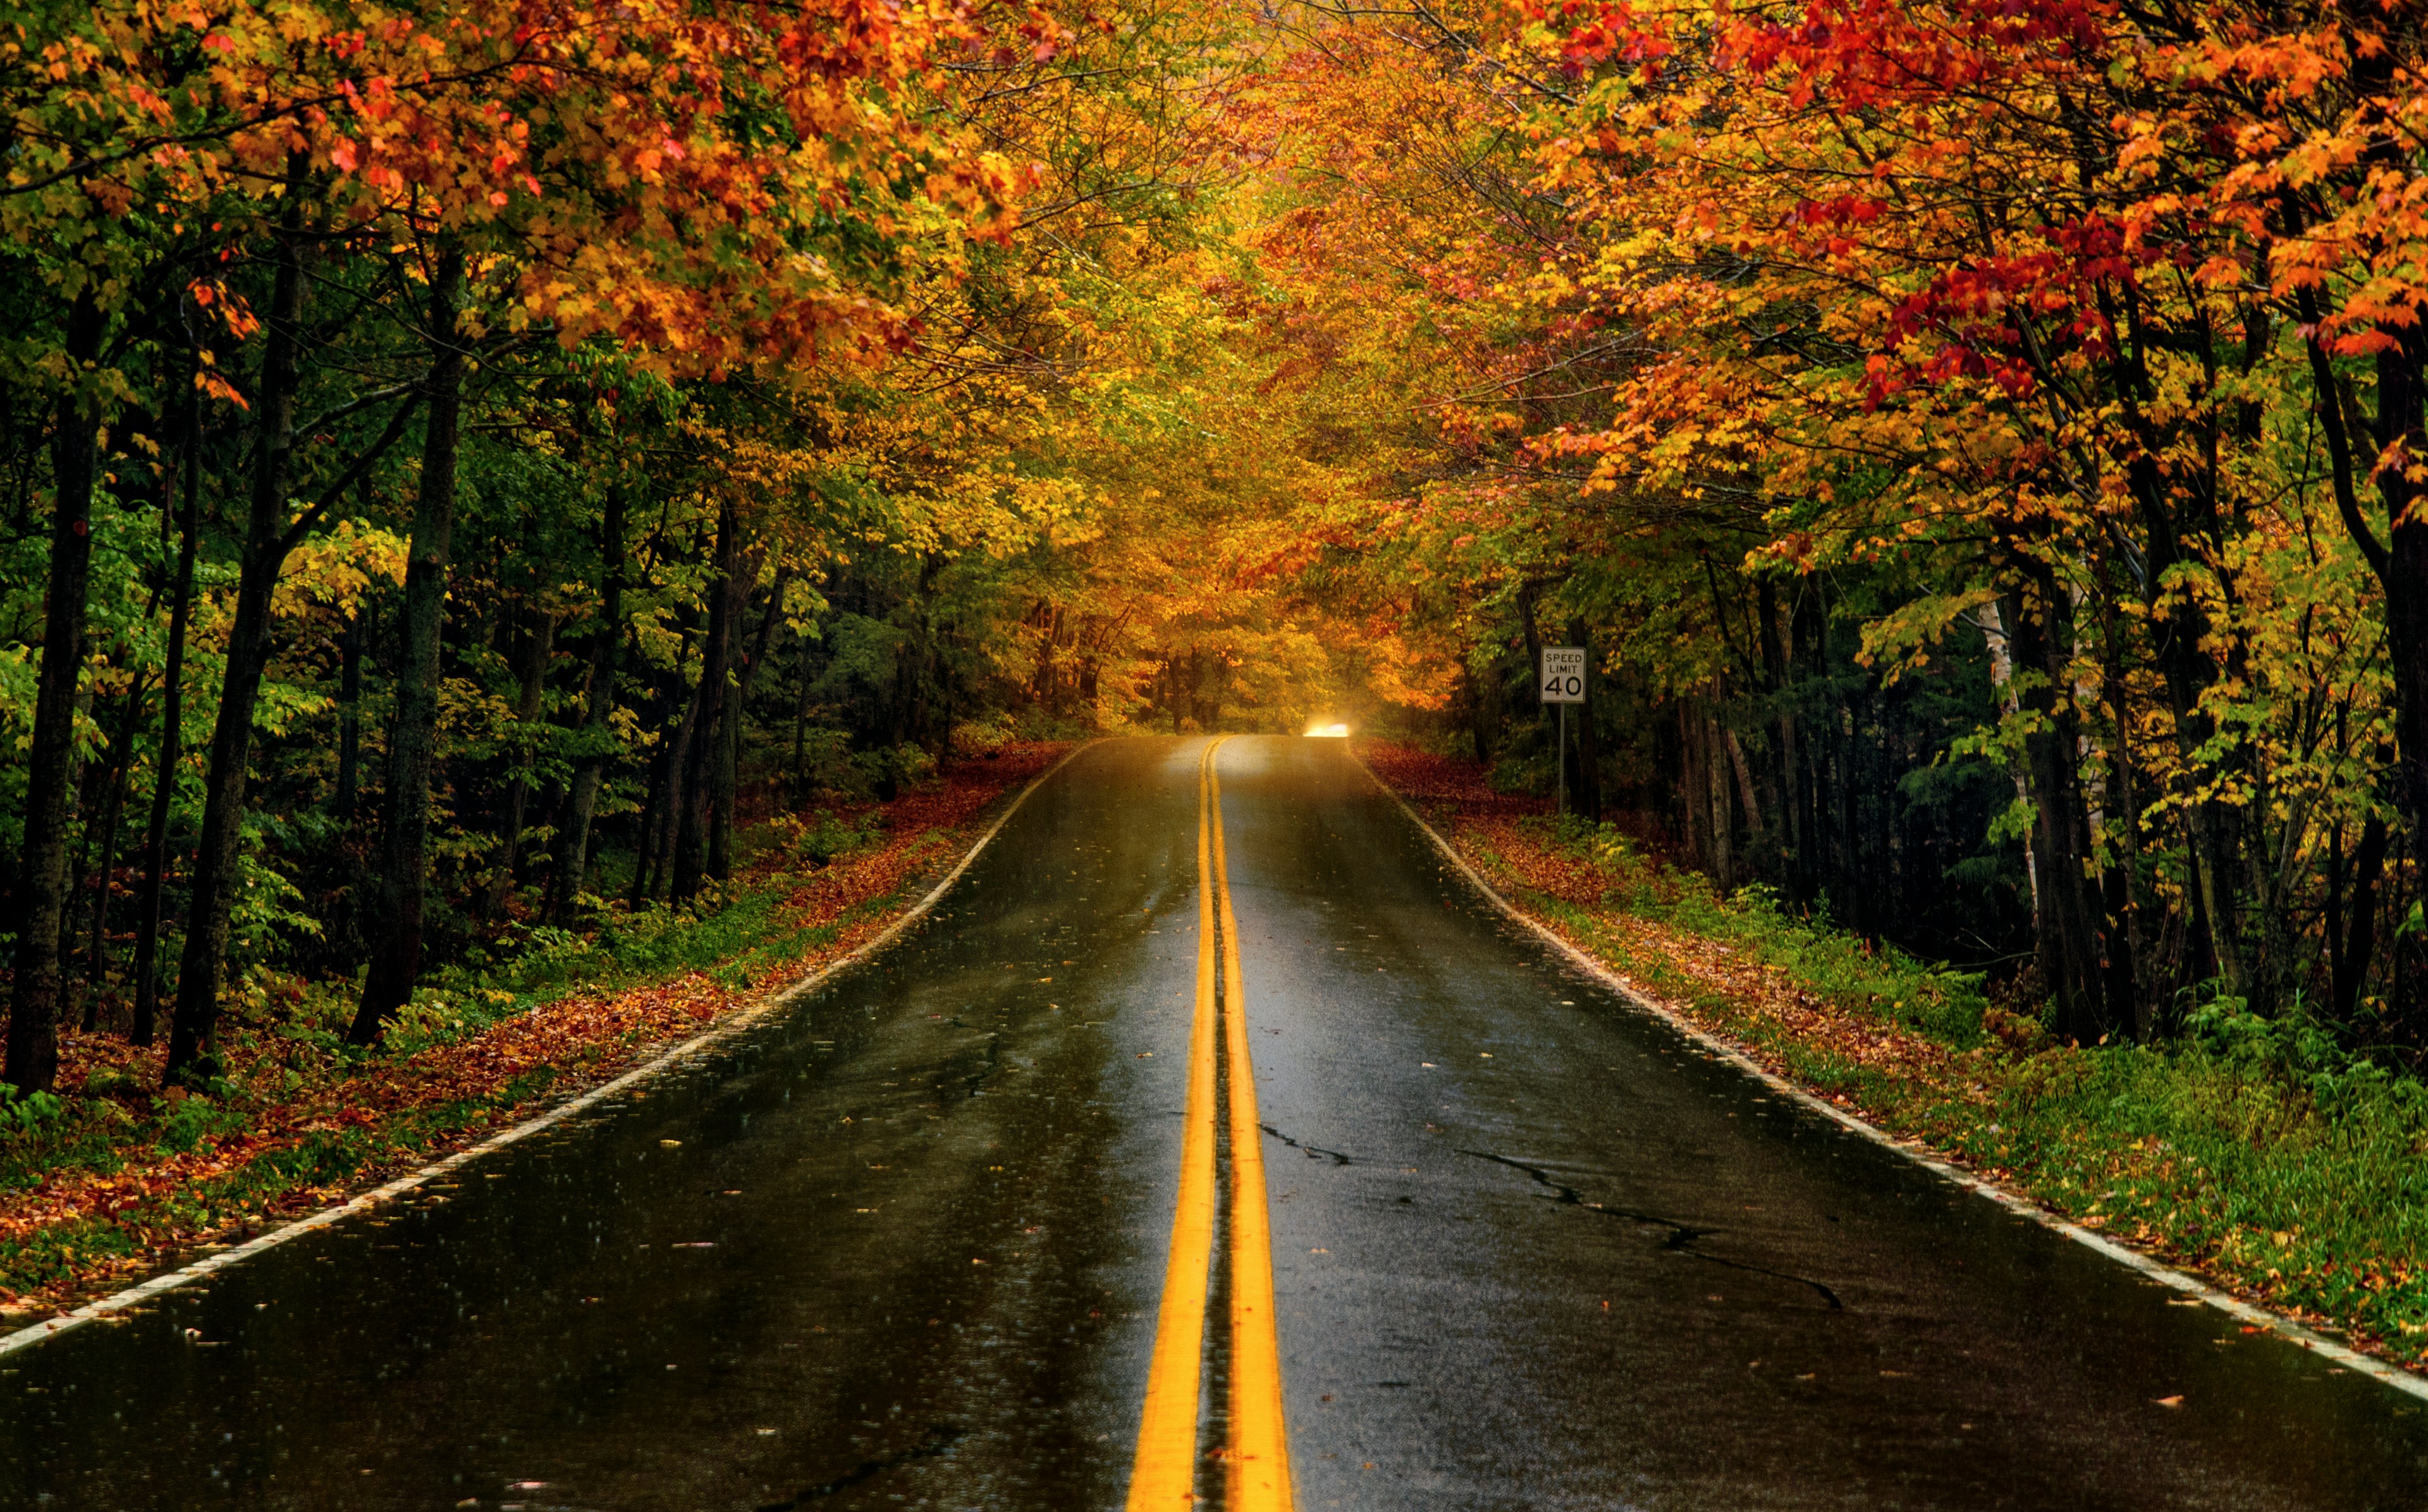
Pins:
x,y
2353,1359
33,1334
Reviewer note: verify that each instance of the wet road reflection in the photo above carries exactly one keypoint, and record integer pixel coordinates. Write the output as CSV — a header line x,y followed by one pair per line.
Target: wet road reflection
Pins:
x,y
903,1245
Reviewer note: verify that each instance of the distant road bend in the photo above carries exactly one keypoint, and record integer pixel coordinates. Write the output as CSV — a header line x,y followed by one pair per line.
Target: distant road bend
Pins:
x,y
1211,1139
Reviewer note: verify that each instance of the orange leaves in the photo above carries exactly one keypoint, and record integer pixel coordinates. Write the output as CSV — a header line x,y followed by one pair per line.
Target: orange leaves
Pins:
x,y
2221,270
227,308
207,380
601,148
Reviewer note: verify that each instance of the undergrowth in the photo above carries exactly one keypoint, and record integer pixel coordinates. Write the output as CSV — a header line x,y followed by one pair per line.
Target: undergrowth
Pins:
x,y
283,1044
1836,964
2257,1149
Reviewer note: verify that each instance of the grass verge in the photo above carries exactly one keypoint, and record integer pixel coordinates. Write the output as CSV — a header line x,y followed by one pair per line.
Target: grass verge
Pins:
x,y
115,1177
2249,1153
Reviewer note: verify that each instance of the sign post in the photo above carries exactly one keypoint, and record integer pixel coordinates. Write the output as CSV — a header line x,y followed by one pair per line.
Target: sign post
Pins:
x,y
1561,680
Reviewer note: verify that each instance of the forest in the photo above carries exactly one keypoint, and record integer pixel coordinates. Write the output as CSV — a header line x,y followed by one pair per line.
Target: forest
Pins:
x,y
463,469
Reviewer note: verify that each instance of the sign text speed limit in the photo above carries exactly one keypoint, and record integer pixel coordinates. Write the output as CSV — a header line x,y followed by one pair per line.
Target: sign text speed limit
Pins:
x,y
1564,675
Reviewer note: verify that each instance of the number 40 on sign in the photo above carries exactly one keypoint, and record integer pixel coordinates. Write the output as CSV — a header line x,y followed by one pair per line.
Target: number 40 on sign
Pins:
x,y
1564,675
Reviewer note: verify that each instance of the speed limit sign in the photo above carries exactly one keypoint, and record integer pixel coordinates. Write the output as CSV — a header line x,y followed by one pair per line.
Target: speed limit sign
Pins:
x,y
1564,675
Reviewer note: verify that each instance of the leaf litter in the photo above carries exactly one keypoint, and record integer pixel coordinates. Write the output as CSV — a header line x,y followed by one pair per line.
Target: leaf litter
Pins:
x,y
173,1173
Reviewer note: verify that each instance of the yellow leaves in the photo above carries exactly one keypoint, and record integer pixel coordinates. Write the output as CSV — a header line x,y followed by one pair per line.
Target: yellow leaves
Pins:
x,y
331,570
1900,641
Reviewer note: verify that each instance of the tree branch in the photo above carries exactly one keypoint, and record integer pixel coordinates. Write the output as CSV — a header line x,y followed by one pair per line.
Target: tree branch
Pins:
x,y
335,491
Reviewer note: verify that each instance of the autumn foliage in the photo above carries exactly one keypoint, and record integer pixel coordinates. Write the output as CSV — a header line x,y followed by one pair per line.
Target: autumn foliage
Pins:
x,y
470,469
1979,441
298,1131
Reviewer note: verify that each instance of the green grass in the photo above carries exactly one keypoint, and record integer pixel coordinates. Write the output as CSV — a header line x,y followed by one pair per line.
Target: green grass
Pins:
x,y
287,1035
2254,1149
730,932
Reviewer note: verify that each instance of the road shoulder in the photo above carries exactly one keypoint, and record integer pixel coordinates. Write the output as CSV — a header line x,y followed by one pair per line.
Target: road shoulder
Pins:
x,y
1889,1082
282,1153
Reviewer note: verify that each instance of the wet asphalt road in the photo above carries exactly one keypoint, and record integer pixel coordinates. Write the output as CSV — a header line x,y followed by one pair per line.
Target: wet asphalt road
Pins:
x,y
904,1245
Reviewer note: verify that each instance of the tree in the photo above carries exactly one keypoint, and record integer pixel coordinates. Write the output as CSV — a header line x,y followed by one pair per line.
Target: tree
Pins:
x,y
32,1045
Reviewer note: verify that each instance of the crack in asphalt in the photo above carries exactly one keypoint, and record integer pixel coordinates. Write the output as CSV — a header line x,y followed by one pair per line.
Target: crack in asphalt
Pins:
x,y
970,1083
1313,1151
1682,1236
940,1441
993,1063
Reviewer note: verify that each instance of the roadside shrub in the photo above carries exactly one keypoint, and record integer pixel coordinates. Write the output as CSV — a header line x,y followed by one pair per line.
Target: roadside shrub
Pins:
x,y
27,1113
187,1121
982,737
888,770
819,838
1833,963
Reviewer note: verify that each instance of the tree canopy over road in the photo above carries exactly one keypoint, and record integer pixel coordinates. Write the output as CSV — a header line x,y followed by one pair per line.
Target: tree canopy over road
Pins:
x,y
466,465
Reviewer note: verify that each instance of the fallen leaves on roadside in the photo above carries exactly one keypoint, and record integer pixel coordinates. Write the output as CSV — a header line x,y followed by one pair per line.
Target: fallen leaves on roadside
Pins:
x,y
1858,1056
83,1228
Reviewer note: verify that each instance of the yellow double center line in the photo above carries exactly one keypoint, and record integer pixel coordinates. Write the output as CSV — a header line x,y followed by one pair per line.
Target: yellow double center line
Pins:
x,y
1255,1456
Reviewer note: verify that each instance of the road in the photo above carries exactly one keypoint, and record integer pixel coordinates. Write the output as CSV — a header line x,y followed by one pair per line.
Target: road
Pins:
x,y
938,1235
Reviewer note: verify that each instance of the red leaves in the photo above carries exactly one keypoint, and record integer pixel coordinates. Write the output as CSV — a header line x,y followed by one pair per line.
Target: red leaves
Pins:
x,y
1860,54
1422,778
1609,32
671,224
1969,324
1844,210
1046,38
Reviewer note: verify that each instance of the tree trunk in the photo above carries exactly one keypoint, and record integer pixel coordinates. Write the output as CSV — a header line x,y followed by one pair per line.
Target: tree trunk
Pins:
x,y
2187,672
1481,707
350,714
172,732
1806,646
2406,647
573,847
1836,786
720,831
2351,965
33,1050
2120,885
725,782
656,847
724,788
113,805
691,837
538,645
1544,713
1716,793
2400,563
1778,774
644,849
2068,948
675,754
195,1021
1747,799
1694,784
2405,576
801,717
404,840
676,814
